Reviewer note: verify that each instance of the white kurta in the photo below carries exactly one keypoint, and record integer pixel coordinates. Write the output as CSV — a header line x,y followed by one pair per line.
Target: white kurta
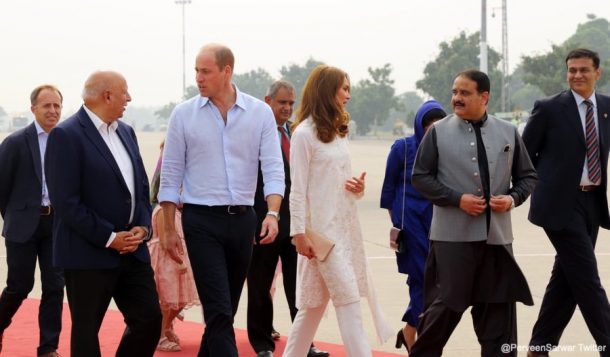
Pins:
x,y
319,201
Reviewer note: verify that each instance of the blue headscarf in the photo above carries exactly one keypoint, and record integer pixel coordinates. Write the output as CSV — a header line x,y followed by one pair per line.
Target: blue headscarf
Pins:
x,y
419,117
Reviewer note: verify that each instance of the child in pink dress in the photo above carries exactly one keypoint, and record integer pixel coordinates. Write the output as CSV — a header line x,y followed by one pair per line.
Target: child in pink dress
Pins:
x,y
175,284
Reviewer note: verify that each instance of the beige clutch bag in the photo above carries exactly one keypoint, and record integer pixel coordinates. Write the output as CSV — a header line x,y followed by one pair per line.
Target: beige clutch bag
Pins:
x,y
321,245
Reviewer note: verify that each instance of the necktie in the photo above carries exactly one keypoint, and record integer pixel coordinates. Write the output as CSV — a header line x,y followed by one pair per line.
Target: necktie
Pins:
x,y
285,142
593,164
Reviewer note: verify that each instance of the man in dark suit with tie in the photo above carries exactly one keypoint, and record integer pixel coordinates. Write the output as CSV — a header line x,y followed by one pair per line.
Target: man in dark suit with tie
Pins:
x,y
99,191
28,221
568,138
280,97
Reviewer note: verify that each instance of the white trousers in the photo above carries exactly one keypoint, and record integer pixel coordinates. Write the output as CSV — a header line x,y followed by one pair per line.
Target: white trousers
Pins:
x,y
352,331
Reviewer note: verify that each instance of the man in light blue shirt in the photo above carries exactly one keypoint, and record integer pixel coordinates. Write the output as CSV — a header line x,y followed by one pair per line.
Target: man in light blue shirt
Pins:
x,y
210,163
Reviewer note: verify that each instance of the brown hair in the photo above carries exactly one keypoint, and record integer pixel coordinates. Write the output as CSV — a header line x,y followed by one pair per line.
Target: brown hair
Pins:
x,y
36,92
319,102
222,54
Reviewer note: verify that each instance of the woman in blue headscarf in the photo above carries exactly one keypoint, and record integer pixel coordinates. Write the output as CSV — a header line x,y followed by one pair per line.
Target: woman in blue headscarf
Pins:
x,y
412,213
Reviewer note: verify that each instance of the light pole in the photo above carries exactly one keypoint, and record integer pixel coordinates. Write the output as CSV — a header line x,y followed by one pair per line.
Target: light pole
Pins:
x,y
483,45
505,84
505,81
183,3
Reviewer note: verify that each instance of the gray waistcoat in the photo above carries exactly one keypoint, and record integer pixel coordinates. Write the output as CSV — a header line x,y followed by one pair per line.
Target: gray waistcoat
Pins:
x,y
458,168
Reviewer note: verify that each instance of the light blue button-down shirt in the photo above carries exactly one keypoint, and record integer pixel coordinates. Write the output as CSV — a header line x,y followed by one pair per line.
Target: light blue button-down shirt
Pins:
x,y
42,146
217,164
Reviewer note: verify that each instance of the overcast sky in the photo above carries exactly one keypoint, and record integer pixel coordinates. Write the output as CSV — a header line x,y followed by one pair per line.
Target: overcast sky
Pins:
x,y
63,41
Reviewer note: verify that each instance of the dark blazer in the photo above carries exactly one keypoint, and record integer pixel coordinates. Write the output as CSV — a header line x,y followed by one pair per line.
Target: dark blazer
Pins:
x,y
20,184
89,194
260,205
555,141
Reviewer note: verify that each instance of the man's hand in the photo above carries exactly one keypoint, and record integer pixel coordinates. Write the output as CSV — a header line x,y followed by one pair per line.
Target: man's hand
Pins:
x,y
125,242
501,203
304,245
172,244
472,205
268,230
139,232
168,237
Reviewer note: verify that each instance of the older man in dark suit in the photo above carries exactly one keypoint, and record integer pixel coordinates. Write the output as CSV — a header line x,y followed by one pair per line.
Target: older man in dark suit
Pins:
x,y
567,137
99,190
28,220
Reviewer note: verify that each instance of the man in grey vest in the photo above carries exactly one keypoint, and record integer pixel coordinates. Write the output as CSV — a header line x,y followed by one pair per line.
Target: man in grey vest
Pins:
x,y
465,165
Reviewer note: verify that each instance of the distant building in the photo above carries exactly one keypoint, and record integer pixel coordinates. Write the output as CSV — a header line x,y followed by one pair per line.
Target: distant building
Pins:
x,y
4,122
515,117
18,122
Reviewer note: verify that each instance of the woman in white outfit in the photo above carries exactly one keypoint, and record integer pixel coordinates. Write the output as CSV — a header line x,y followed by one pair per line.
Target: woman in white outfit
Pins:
x,y
323,199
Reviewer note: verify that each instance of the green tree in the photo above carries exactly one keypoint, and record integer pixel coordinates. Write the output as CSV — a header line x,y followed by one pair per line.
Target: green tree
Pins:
x,y
372,99
459,54
548,71
255,82
593,34
165,111
190,92
522,95
408,103
297,75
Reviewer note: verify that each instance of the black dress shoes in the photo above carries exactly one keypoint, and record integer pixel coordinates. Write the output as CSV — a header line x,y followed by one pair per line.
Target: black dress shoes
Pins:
x,y
265,354
315,352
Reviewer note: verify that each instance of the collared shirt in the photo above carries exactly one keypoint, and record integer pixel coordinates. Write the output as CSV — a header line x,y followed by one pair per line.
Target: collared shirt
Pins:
x,y
582,111
42,146
285,131
120,154
216,163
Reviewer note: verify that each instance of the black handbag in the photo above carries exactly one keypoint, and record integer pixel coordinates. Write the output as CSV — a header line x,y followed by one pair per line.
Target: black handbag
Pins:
x,y
397,235
397,240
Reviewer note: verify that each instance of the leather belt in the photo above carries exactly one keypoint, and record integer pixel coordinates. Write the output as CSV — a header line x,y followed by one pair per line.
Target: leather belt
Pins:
x,y
46,210
587,188
221,209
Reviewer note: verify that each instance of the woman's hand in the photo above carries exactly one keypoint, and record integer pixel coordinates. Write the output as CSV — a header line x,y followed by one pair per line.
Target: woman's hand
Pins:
x,y
356,184
304,245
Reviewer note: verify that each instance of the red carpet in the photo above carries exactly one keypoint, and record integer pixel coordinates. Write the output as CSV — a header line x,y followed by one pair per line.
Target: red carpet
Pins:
x,y
21,338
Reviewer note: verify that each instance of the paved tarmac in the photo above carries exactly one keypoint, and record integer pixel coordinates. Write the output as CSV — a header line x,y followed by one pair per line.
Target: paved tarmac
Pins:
x,y
532,249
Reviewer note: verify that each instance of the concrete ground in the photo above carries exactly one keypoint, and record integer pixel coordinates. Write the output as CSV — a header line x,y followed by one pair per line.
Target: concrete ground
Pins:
x,y
532,250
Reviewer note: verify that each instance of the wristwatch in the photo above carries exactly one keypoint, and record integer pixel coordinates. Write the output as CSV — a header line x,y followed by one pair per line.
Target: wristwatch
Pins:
x,y
512,205
274,214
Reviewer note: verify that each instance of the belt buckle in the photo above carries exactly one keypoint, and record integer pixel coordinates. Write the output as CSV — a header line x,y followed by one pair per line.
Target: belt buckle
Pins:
x,y
229,210
45,210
